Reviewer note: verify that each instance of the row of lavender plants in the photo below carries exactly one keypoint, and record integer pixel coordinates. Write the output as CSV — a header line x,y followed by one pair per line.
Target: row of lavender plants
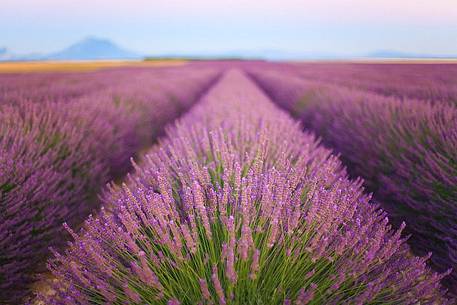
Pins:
x,y
405,150
430,82
66,86
236,205
55,156
55,86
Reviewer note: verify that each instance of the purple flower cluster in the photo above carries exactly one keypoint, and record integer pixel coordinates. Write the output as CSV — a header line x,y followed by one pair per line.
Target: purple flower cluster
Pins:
x,y
238,206
55,156
406,150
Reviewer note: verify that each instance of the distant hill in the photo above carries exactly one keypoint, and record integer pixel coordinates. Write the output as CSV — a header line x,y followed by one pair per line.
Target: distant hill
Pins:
x,y
4,54
404,55
92,48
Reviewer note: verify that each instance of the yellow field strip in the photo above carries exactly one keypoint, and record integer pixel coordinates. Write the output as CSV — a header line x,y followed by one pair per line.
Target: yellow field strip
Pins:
x,y
79,66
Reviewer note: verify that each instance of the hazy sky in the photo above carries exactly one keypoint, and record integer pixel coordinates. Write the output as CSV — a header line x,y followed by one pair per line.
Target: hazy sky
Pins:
x,y
163,26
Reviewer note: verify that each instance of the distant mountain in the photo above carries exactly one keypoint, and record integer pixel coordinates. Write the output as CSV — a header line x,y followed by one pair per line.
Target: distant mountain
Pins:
x,y
90,48
405,55
4,54
93,48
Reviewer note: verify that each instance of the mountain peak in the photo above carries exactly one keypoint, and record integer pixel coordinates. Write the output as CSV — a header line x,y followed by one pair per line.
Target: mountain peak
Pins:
x,y
95,40
91,48
405,55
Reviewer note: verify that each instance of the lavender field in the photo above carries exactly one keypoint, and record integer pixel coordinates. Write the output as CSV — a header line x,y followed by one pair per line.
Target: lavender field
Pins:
x,y
230,182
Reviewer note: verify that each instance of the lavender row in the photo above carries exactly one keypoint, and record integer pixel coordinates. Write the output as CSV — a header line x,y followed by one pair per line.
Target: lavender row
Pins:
x,y
238,206
42,87
64,87
430,82
405,150
54,157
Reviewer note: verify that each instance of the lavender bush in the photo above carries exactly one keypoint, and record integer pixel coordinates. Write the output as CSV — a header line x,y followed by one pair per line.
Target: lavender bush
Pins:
x,y
406,151
42,176
238,206
55,156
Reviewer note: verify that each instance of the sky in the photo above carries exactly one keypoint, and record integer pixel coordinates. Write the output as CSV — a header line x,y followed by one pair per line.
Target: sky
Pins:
x,y
155,27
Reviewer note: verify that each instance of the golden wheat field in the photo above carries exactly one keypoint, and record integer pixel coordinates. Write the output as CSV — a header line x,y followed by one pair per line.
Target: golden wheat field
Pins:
x,y
79,66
